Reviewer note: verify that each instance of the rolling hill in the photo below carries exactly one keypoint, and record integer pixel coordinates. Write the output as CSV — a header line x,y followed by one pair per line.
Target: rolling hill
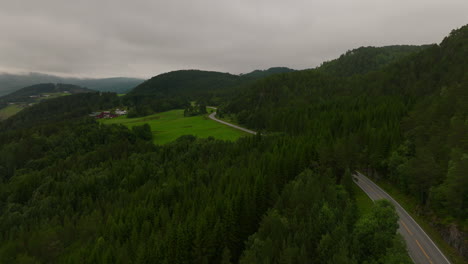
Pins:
x,y
176,89
12,82
186,82
28,94
194,83
16,101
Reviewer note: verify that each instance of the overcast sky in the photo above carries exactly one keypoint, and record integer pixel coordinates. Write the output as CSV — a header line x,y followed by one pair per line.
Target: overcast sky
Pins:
x,y
143,38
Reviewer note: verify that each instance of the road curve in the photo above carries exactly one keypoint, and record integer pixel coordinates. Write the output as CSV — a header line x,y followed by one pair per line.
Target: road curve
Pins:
x,y
213,117
420,247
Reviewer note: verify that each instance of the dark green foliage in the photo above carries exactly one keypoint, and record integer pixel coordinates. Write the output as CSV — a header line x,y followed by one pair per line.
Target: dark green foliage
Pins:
x,y
433,170
308,224
143,132
24,95
405,122
94,193
347,181
397,254
178,88
374,233
196,109
142,105
314,221
64,108
264,73
366,59
75,191
196,83
82,192
193,82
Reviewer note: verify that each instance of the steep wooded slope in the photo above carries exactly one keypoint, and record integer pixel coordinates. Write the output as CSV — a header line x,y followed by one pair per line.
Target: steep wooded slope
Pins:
x,y
366,59
405,122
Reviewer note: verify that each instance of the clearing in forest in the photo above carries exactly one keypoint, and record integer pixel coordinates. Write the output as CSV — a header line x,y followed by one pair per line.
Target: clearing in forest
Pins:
x,y
168,126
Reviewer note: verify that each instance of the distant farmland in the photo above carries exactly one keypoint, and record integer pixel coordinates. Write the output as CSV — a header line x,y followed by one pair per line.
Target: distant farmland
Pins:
x,y
168,126
8,111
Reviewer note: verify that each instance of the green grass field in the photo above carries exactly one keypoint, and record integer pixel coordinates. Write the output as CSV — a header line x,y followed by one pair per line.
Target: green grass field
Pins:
x,y
53,95
168,126
9,111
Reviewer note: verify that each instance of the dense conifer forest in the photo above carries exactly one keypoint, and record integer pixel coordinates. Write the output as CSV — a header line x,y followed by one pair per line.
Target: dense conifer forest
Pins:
x,y
366,59
73,190
86,192
406,123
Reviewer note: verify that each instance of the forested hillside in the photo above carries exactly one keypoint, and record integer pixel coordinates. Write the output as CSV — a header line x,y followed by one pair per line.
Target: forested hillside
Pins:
x,y
193,83
80,192
264,73
366,59
73,190
406,123
311,223
17,101
60,109
30,93
178,88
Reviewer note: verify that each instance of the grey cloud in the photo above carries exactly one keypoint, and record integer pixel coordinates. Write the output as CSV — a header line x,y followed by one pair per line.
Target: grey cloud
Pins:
x,y
144,38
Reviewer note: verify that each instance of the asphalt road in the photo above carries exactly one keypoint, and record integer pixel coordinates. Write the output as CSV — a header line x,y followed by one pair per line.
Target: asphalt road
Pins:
x,y
420,247
213,117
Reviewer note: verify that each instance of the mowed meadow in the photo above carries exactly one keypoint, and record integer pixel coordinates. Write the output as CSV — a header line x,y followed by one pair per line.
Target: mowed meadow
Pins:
x,y
168,126
13,109
9,111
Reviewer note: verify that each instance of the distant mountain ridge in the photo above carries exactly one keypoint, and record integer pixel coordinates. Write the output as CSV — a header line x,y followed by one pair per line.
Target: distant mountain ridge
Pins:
x,y
24,98
12,82
32,93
